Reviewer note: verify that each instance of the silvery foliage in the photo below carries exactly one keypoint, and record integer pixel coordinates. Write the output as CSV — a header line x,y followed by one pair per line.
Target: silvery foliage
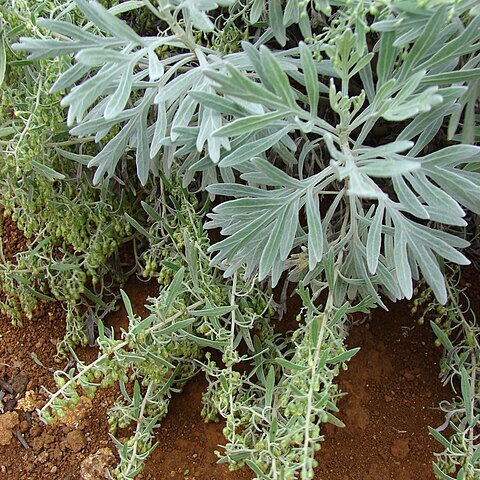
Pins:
x,y
287,133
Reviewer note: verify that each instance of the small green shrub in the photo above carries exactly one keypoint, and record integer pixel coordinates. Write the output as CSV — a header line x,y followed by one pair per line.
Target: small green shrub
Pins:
x,y
72,228
456,327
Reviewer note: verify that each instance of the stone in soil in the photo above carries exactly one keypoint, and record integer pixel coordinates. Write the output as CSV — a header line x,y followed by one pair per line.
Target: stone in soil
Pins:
x,y
95,466
29,402
19,384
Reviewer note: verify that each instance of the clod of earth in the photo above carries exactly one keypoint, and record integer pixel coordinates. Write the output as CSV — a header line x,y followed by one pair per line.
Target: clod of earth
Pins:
x,y
76,440
8,423
400,448
73,417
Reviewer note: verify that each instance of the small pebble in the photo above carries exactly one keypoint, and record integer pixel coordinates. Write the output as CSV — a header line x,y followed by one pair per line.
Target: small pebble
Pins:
x,y
24,426
42,457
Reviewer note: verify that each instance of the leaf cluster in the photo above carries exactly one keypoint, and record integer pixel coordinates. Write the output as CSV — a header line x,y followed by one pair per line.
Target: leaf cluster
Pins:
x,y
262,118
